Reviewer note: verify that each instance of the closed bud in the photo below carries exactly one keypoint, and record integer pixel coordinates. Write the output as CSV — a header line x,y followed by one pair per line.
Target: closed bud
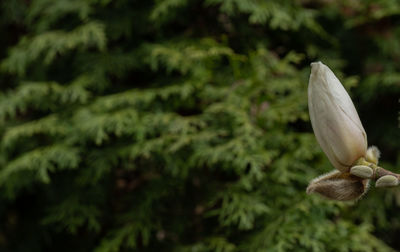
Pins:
x,y
373,154
335,121
387,181
339,186
362,171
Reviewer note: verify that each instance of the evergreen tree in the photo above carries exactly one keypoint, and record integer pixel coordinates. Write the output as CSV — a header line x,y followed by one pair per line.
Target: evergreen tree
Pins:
x,y
182,125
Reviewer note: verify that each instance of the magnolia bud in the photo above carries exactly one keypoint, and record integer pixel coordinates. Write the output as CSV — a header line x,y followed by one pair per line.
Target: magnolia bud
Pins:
x,y
362,171
373,154
335,121
387,181
339,186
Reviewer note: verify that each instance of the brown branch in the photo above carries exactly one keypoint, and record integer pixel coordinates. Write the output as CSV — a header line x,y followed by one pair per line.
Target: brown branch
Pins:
x,y
380,172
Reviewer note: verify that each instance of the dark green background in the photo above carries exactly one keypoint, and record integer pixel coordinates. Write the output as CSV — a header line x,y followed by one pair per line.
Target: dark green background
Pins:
x,y
182,125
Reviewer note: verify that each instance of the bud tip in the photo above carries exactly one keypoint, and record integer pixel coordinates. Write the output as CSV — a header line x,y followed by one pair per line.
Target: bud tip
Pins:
x,y
316,64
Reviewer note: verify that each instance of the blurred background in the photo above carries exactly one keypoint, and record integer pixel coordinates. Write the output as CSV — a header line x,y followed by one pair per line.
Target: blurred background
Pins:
x,y
182,125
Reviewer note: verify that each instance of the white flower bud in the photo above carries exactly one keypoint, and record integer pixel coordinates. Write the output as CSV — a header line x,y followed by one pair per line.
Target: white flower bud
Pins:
x,y
387,181
362,171
335,121
373,154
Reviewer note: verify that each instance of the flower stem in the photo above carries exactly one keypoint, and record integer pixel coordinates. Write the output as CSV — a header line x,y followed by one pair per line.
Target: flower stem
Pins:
x,y
380,172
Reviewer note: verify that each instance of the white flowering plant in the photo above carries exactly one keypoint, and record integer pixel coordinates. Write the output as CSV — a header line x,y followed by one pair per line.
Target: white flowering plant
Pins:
x,y
341,135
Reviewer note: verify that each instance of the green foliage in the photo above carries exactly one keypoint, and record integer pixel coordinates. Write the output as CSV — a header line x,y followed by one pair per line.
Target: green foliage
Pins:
x,y
49,45
182,125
